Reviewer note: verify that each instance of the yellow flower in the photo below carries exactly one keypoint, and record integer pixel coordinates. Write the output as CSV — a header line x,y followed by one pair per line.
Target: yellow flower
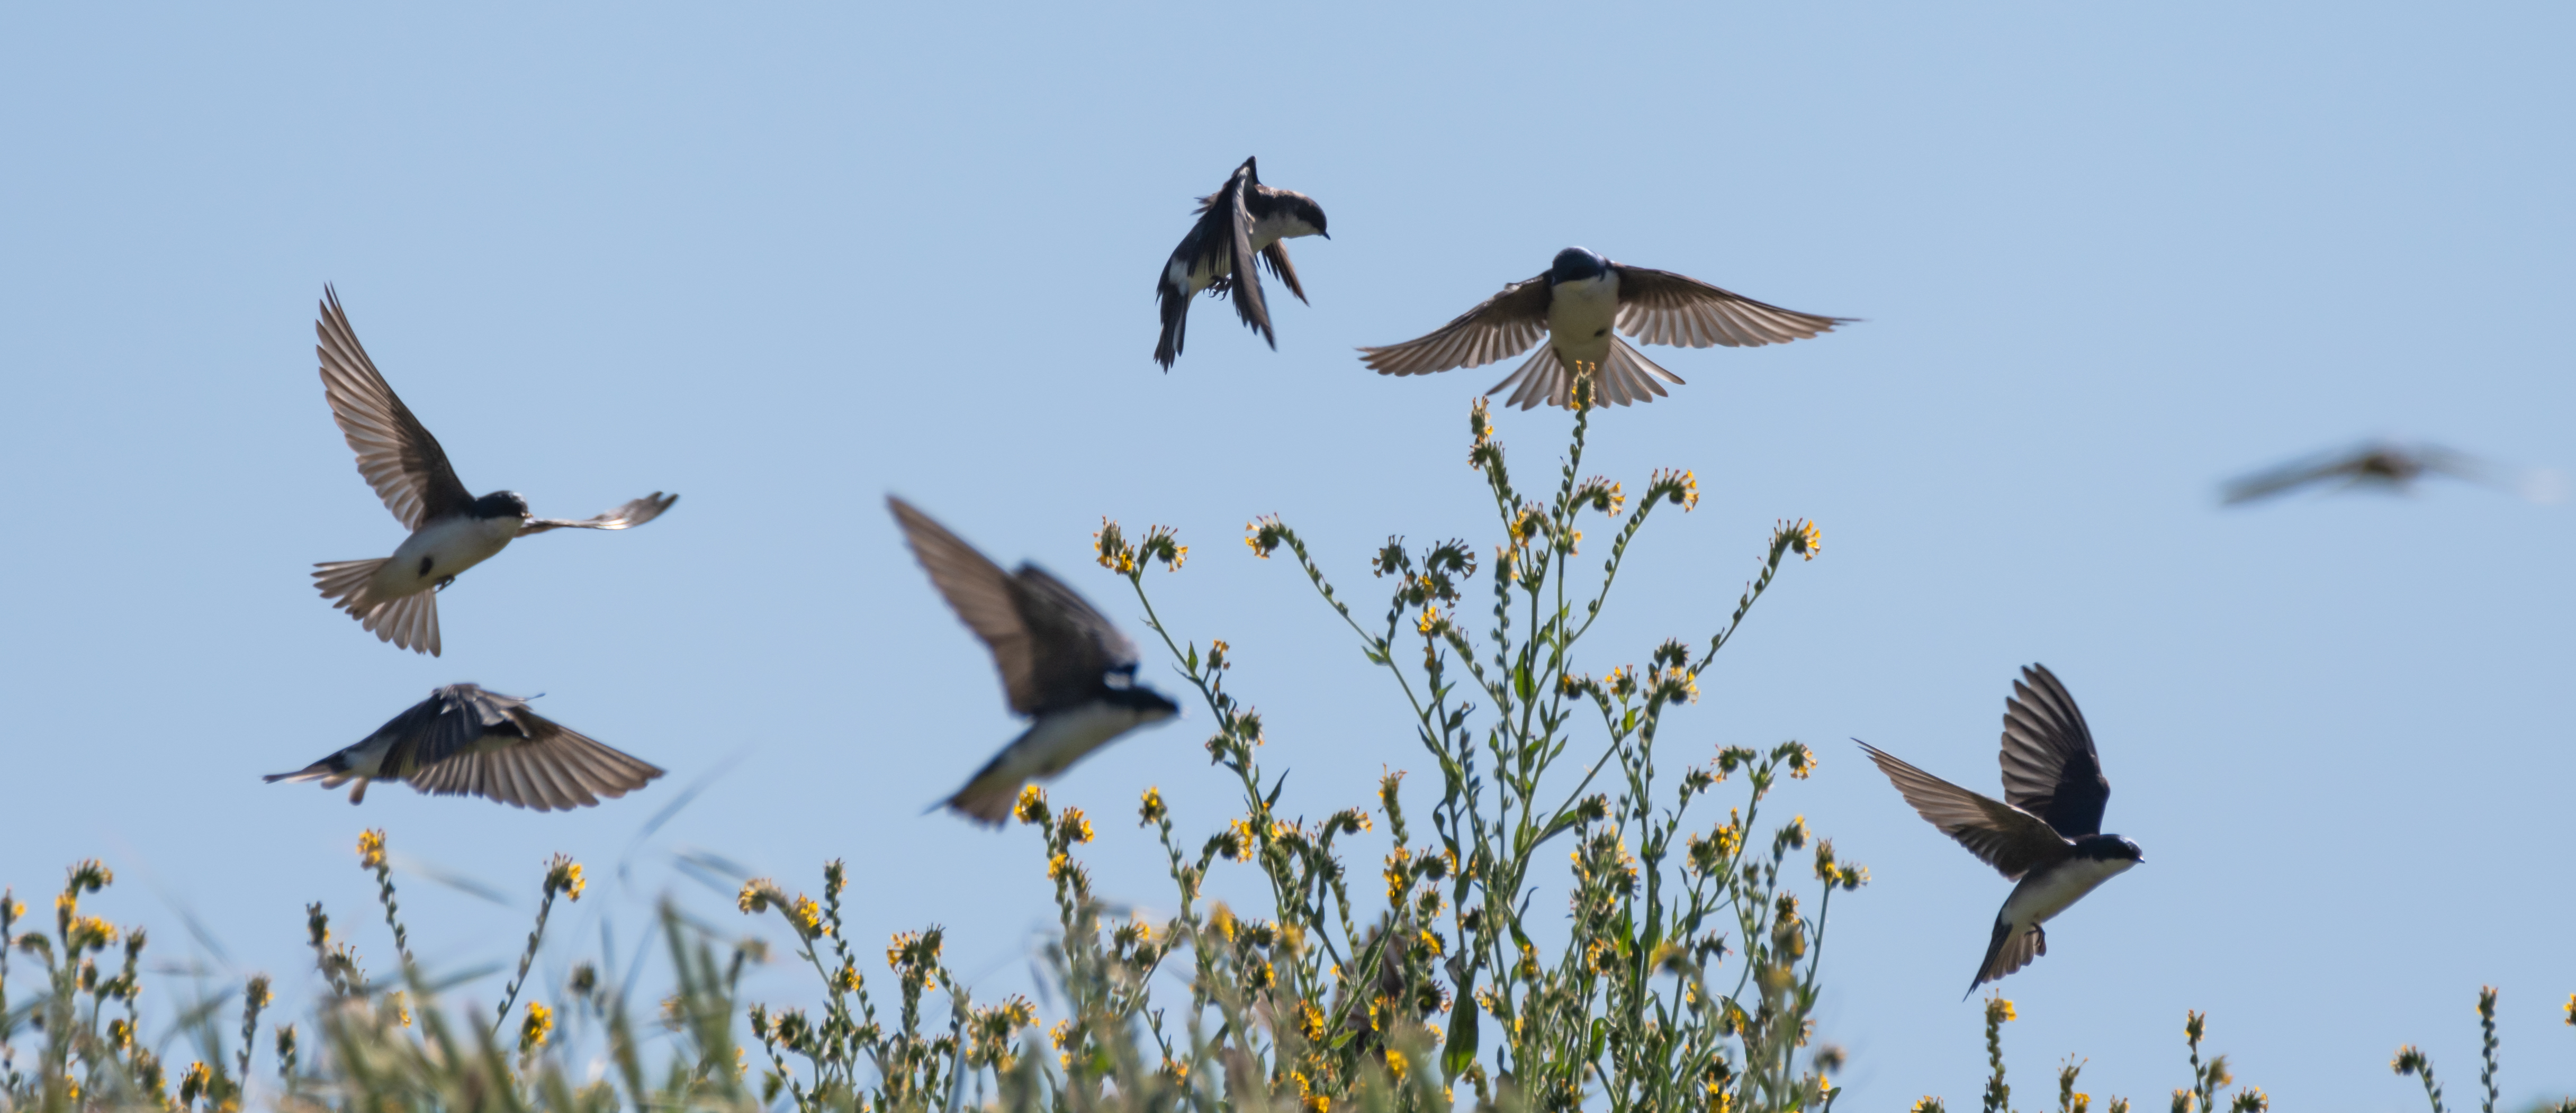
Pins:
x,y
1057,866
1264,535
371,849
1074,826
806,915
1802,761
1310,1023
1802,536
1430,620
1221,921
1152,809
1999,1010
539,1024
1032,808
1242,848
1398,873
1679,486
563,875
1431,942
1111,548
1395,1063
757,895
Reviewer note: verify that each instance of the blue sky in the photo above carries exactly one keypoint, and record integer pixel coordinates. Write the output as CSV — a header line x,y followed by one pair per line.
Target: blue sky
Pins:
x,y
787,260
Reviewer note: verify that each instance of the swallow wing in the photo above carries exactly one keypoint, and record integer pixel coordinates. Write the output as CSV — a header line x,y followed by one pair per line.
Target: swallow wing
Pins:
x,y
1232,204
2290,476
396,454
629,516
2051,769
542,764
1660,307
1075,646
2000,835
983,595
1503,326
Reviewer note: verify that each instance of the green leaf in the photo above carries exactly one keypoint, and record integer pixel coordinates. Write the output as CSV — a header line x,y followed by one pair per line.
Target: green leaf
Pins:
x,y
1461,1048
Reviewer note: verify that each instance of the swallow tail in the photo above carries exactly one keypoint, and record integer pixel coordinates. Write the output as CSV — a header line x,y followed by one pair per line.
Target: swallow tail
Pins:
x,y
989,797
408,621
2009,951
1176,322
1627,378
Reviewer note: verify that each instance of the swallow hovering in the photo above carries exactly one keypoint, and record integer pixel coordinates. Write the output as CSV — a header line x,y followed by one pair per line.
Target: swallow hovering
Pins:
x,y
1575,305
2389,466
1062,664
464,741
2048,837
1242,219
451,530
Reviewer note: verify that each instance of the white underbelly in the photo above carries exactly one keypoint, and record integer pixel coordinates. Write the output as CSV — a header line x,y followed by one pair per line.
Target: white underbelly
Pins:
x,y
1580,315
441,551
2063,887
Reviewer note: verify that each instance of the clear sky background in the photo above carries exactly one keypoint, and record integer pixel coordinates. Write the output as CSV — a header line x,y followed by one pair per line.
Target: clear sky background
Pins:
x,y
787,260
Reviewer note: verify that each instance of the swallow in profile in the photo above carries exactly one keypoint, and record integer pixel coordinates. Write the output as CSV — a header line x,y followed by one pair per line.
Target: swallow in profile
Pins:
x,y
395,597
2390,466
1063,665
2046,833
464,741
1574,306
1239,221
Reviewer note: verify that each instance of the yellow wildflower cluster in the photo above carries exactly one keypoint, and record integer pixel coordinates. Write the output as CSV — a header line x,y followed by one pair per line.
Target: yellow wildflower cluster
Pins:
x,y
1264,535
806,915
1151,809
1679,486
371,849
1241,849
1801,536
1032,808
563,875
1164,545
758,895
1110,548
533,1030
1074,827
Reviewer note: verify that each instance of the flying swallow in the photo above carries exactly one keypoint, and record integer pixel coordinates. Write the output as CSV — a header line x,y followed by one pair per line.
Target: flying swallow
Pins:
x,y
451,530
1062,664
1239,221
1575,305
2389,466
464,741
2047,831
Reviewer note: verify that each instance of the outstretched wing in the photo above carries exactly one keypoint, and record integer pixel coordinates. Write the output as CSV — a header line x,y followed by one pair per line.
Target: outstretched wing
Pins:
x,y
983,595
1073,645
1503,326
629,516
2000,835
539,764
2050,767
398,456
1660,307
1246,292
